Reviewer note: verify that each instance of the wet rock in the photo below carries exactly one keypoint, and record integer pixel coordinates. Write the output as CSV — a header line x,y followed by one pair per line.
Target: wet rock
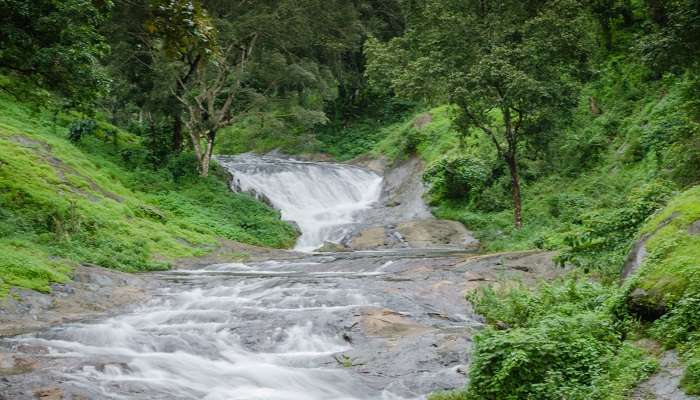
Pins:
x,y
12,364
432,233
332,247
635,257
500,325
645,305
389,323
370,238
93,290
50,393
638,254
665,383
694,228
527,267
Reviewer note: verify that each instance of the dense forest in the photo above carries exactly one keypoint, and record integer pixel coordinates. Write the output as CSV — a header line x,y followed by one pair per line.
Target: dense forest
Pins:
x,y
563,125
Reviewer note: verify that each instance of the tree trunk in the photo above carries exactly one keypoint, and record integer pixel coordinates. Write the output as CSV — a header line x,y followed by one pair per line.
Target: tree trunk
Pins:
x,y
204,167
177,130
515,182
177,120
607,32
206,156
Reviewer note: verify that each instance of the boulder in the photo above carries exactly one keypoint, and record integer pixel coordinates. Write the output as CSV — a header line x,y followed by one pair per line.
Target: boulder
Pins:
x,y
436,233
370,238
332,247
646,305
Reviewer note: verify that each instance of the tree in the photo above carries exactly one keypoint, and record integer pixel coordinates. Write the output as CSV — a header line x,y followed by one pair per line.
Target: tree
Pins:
x,y
284,64
55,45
216,98
607,12
510,67
675,37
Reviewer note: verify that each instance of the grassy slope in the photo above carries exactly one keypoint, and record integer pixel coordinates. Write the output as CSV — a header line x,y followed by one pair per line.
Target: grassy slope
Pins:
x,y
63,204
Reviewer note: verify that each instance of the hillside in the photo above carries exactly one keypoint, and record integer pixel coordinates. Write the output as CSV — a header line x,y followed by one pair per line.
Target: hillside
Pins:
x,y
97,202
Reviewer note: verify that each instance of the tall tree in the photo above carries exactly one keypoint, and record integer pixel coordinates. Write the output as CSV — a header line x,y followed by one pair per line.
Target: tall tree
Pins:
x,y
217,96
510,67
270,60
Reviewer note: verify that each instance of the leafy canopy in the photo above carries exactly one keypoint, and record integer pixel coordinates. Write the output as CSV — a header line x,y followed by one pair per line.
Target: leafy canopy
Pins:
x,y
55,44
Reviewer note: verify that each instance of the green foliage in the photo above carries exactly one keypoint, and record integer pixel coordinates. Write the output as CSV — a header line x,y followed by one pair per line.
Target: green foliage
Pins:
x,y
604,235
80,128
184,27
54,45
156,138
62,204
670,276
520,307
511,69
457,177
561,343
675,37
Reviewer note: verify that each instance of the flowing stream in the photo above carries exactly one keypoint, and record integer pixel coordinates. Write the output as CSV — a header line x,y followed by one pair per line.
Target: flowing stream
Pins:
x,y
363,325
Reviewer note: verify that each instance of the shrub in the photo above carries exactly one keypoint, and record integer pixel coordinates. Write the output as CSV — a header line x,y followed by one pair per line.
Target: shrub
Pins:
x,y
456,177
561,357
183,166
604,236
560,342
80,128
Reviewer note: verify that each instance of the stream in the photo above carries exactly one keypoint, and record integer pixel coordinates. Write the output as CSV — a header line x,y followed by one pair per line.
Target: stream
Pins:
x,y
384,324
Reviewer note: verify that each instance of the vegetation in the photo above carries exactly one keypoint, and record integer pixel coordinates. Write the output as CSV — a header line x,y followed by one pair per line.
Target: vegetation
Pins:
x,y
561,125
561,342
100,201
670,278
511,68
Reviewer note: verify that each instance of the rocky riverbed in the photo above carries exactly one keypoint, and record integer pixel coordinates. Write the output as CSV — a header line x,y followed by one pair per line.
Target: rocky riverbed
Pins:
x,y
362,325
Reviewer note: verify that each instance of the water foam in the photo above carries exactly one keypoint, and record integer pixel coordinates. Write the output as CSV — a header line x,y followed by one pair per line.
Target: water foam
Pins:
x,y
322,198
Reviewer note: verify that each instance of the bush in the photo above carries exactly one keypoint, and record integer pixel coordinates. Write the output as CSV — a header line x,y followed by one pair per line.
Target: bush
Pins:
x,y
80,128
456,177
560,342
604,236
183,166
561,357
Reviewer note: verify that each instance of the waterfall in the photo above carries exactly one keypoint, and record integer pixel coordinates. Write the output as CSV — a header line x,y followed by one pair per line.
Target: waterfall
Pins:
x,y
322,198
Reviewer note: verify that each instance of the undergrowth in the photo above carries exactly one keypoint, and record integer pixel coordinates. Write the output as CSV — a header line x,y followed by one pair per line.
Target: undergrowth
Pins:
x,y
99,201
560,341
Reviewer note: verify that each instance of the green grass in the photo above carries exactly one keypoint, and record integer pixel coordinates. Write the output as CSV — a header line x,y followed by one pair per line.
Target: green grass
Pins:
x,y
62,204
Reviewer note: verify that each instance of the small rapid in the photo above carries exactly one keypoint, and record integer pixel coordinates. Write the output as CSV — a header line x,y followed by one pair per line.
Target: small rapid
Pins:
x,y
365,325
324,199
219,339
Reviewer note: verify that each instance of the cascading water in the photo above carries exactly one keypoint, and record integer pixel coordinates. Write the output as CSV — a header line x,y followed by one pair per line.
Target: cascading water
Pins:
x,y
322,198
345,326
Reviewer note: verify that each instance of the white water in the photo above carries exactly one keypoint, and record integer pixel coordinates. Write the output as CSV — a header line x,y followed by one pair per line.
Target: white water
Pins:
x,y
186,345
258,331
322,198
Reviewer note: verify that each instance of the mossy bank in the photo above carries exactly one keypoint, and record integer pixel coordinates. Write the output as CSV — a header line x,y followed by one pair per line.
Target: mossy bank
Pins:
x,y
98,201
